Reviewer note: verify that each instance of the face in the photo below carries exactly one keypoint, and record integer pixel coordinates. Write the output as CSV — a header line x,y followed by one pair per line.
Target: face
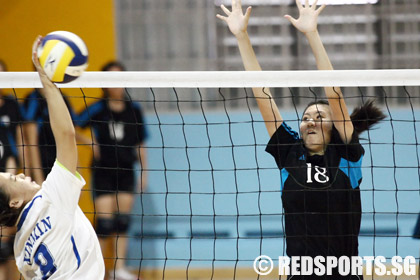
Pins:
x,y
316,128
115,93
19,187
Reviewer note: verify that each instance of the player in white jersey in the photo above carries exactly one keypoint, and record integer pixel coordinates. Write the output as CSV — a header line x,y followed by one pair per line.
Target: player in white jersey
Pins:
x,y
54,239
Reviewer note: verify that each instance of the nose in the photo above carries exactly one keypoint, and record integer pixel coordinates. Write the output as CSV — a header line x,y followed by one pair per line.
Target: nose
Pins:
x,y
311,122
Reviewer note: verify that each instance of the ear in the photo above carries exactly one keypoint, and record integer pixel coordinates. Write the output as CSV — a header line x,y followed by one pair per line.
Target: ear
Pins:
x,y
16,203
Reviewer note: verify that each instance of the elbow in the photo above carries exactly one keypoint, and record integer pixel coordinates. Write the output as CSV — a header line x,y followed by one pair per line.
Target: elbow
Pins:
x,y
69,133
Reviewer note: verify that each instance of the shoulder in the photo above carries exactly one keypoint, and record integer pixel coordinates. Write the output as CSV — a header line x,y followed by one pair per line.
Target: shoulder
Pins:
x,y
97,106
284,134
135,105
10,102
94,108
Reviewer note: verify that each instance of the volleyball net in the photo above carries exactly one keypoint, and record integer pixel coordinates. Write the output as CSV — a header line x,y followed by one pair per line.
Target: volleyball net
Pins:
x,y
213,199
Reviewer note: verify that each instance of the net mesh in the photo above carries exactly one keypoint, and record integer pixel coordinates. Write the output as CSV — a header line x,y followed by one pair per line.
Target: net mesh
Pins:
x,y
213,197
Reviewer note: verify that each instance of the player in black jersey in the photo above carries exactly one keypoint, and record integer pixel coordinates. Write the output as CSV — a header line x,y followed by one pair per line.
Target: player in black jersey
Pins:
x,y
10,130
321,170
118,136
10,141
38,136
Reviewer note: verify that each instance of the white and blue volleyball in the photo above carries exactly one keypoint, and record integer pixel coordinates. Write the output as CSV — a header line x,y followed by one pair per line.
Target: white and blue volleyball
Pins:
x,y
63,55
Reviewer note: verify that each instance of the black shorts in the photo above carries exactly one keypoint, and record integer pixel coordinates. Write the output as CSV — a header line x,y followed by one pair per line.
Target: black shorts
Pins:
x,y
109,181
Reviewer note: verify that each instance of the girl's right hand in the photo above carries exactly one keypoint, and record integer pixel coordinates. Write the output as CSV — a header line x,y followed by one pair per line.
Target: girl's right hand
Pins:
x,y
235,19
308,17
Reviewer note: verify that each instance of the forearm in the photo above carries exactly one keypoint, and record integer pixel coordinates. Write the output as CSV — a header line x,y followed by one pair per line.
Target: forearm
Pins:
x,y
322,60
340,114
60,120
142,157
61,126
83,139
11,165
20,146
265,101
247,52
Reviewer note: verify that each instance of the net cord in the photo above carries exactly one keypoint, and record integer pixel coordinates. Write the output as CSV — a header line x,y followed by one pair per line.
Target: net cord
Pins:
x,y
224,79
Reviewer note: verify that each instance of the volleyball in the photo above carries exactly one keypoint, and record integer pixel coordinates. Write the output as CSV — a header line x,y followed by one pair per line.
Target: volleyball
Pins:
x,y
63,55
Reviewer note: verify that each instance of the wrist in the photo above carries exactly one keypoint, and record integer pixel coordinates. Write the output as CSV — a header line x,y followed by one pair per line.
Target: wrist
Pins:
x,y
242,35
312,33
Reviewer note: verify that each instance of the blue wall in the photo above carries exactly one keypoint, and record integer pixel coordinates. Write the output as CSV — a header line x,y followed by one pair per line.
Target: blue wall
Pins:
x,y
231,190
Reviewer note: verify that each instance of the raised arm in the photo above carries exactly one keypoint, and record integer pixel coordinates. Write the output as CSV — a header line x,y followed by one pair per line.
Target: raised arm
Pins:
x,y
60,120
307,24
238,23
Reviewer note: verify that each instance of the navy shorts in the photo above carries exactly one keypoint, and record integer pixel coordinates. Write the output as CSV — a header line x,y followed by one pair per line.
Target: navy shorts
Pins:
x,y
110,181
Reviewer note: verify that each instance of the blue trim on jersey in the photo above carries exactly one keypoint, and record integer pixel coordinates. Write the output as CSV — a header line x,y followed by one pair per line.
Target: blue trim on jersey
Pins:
x,y
25,212
22,111
85,116
75,252
136,105
353,170
290,130
33,105
12,143
284,176
40,123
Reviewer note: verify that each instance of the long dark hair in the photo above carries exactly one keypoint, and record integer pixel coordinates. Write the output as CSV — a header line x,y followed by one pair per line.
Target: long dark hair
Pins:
x,y
3,64
8,215
111,64
363,117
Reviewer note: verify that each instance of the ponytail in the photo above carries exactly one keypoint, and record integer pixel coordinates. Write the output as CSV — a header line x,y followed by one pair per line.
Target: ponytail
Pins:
x,y
363,117
366,116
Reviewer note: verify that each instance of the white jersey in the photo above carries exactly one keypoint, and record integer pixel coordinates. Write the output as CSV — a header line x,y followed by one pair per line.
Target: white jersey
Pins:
x,y
54,239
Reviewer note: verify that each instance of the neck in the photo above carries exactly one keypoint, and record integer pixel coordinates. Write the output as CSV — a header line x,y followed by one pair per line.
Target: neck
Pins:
x,y
29,194
116,105
315,152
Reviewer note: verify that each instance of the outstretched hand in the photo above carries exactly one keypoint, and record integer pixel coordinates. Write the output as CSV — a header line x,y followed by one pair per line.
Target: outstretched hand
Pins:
x,y
43,76
308,17
236,20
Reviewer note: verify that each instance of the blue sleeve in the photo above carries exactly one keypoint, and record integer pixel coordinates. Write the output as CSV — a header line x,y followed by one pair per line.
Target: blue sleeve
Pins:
x,y
86,116
281,142
33,105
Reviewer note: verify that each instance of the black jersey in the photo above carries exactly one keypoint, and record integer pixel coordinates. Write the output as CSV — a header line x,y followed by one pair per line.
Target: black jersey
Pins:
x,y
36,110
320,194
10,118
118,134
